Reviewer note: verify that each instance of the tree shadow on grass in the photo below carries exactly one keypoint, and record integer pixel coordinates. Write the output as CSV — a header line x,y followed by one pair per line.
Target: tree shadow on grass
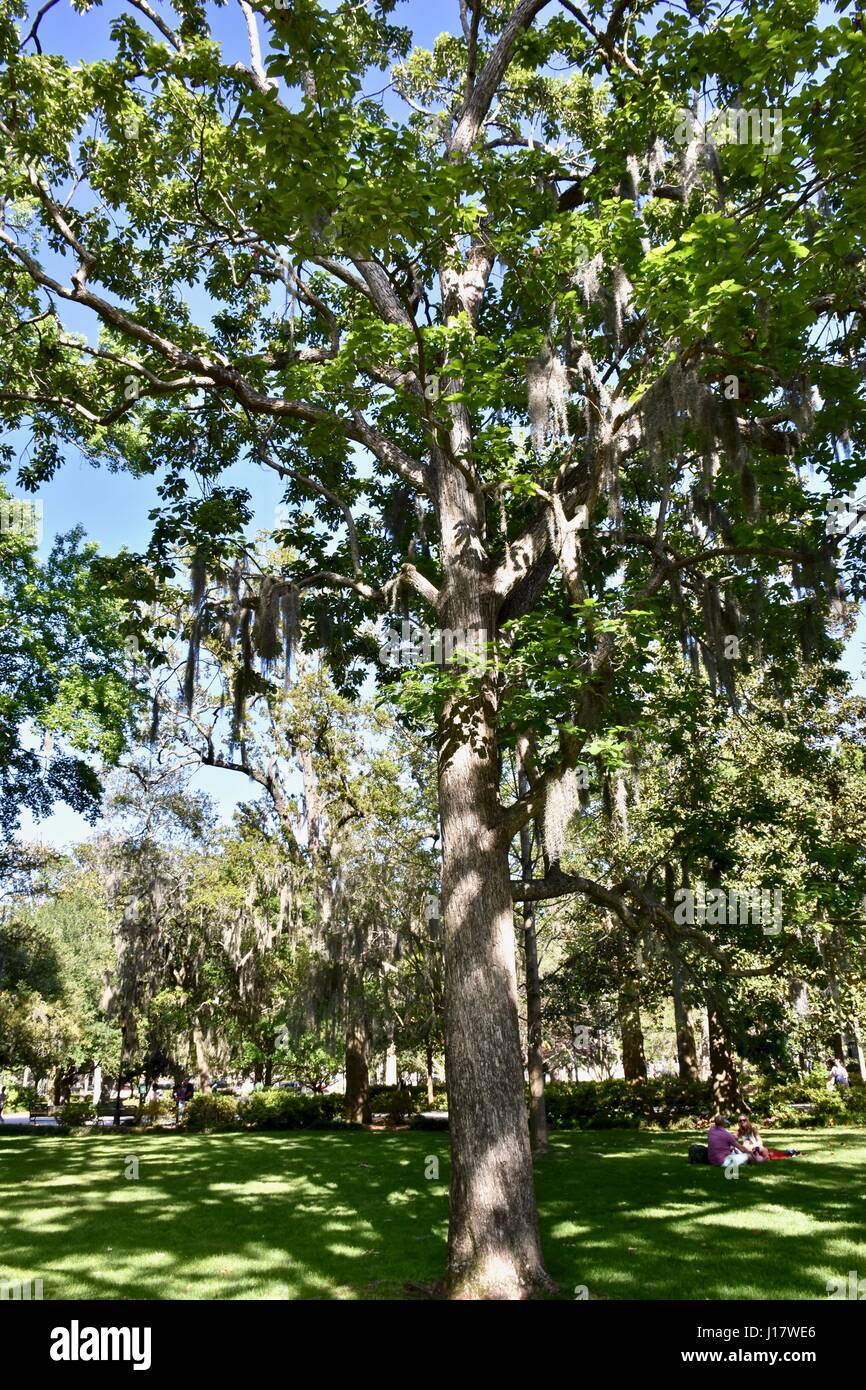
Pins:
x,y
265,1216
331,1215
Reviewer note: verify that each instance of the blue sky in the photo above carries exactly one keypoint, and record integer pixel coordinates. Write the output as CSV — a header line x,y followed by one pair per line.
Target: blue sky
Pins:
x,y
113,507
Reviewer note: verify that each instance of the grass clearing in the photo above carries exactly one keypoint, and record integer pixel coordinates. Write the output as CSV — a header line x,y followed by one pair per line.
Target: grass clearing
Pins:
x,y
352,1215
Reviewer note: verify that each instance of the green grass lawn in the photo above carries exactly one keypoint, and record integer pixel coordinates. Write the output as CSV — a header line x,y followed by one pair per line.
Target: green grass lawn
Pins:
x,y
352,1215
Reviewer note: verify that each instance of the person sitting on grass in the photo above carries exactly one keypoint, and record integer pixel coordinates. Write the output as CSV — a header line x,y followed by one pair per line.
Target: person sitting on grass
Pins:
x,y
751,1140
754,1145
725,1149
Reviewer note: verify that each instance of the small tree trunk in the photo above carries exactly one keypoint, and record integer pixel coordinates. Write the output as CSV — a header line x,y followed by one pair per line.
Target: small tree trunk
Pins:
x,y
687,1051
538,1135
723,1071
119,1076
201,1061
430,1097
628,1011
858,1047
357,1074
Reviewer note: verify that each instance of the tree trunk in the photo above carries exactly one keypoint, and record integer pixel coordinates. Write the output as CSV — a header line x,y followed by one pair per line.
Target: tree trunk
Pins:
x,y
201,1062
538,1136
628,1011
726,1090
687,1051
494,1249
631,1033
430,1097
357,1074
117,1102
858,1048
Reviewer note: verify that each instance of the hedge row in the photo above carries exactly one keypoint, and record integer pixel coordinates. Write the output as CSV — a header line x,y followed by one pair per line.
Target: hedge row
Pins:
x,y
618,1104
263,1110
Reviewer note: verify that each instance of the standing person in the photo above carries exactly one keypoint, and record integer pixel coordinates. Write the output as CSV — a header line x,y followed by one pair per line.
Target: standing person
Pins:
x,y
838,1075
2,1100
725,1149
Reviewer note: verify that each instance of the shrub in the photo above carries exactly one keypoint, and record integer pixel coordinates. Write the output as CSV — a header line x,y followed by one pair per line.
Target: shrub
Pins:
x,y
76,1113
399,1105
159,1108
33,1131
380,1098
22,1098
211,1111
289,1110
619,1104
777,1102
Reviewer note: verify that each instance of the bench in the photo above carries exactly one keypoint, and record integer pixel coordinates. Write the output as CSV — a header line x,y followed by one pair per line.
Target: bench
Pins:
x,y
41,1112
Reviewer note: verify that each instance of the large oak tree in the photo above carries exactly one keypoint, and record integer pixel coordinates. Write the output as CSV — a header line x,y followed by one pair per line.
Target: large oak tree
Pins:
x,y
536,357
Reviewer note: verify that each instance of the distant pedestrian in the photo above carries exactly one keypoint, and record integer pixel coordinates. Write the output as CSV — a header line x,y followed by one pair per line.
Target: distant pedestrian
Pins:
x,y
2,1101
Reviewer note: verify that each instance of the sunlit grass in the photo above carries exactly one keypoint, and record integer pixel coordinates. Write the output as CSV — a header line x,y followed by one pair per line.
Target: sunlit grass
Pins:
x,y
352,1216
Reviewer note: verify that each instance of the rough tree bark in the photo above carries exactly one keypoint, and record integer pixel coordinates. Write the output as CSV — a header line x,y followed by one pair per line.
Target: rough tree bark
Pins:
x,y
357,1072
493,1242
534,1024
202,1066
723,1071
628,1011
687,1052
